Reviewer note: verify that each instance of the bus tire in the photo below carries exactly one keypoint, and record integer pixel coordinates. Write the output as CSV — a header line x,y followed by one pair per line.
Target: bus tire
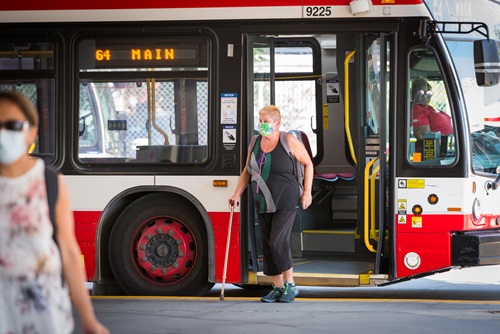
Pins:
x,y
158,246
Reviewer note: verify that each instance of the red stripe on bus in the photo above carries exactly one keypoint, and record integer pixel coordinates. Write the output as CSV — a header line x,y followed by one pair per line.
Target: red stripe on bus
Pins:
x,y
162,4
220,223
492,119
85,230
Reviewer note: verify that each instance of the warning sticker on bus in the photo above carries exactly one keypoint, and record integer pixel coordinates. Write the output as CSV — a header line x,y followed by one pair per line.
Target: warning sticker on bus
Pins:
x,y
416,222
401,206
415,184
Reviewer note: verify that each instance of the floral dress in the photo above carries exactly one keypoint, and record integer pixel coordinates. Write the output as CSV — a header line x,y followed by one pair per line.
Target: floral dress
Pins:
x,y
33,298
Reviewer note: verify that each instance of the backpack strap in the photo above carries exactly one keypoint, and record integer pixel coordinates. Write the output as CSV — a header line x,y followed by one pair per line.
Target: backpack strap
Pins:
x,y
284,143
252,143
52,186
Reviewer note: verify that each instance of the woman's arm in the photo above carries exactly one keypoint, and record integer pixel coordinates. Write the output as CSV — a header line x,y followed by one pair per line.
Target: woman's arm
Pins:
x,y
242,184
300,153
72,266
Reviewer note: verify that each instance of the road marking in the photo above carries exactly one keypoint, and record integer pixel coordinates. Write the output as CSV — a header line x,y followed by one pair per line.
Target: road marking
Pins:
x,y
304,300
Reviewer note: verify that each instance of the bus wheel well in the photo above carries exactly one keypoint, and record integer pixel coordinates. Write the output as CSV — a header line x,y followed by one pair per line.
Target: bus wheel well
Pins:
x,y
104,280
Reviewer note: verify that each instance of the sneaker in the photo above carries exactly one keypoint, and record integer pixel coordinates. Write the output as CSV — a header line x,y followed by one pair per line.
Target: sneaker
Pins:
x,y
273,296
289,293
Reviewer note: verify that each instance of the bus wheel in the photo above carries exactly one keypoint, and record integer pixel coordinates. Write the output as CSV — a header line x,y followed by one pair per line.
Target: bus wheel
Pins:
x,y
158,246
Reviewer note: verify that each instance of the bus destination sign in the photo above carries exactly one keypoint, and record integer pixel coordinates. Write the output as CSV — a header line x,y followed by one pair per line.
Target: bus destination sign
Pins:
x,y
115,55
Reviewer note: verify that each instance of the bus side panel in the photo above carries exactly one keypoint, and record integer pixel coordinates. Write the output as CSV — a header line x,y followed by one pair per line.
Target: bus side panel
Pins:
x,y
423,252
220,222
85,230
423,242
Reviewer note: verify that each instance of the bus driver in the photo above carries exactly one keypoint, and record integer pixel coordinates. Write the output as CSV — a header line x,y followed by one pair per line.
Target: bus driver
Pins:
x,y
424,117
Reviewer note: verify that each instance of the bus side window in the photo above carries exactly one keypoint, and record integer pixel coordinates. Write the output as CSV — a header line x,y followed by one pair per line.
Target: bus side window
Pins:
x,y
431,134
32,74
140,108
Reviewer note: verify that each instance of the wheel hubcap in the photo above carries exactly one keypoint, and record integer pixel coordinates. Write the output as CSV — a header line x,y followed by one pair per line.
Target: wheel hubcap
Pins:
x,y
165,250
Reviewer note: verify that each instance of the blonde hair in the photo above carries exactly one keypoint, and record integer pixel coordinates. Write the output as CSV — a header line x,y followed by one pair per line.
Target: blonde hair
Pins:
x,y
23,104
271,111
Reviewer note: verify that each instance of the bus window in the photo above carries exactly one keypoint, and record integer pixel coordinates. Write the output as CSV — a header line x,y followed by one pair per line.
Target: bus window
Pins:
x,y
26,56
144,100
431,139
27,67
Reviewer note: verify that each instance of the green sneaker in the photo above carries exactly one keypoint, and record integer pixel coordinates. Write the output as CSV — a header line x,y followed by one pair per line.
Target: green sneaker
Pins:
x,y
273,296
289,293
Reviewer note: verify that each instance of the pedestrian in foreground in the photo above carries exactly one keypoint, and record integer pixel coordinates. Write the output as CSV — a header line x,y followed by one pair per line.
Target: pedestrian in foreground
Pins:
x,y
34,294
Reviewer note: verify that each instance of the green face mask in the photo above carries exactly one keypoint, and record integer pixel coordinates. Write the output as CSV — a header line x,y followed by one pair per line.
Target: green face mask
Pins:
x,y
266,129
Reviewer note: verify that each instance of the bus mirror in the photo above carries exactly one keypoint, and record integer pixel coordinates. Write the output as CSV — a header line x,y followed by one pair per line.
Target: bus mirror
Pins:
x,y
486,62
81,127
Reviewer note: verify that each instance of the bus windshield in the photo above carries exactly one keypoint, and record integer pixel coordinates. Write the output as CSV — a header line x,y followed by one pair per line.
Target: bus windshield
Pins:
x,y
483,103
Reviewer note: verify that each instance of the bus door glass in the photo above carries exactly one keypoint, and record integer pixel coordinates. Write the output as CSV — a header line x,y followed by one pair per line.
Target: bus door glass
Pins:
x,y
28,67
261,77
283,72
377,138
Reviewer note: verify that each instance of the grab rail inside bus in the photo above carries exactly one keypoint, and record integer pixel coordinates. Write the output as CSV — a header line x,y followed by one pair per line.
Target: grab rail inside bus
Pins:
x,y
151,90
366,229
156,126
346,103
148,92
372,202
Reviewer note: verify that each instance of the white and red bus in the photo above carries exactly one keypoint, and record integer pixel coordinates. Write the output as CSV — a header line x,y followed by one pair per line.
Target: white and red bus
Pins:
x,y
147,109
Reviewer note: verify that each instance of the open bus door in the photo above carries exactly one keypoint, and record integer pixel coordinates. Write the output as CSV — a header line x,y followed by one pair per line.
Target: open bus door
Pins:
x,y
260,88
339,240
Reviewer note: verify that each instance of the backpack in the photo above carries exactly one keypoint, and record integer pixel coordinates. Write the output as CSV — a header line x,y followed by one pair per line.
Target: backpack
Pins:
x,y
51,183
298,168
52,186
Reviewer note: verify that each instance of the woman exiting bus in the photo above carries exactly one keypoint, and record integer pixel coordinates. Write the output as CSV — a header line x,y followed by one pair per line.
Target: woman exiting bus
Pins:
x,y
276,196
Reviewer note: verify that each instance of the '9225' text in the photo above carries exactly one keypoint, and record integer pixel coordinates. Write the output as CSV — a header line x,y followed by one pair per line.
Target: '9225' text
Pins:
x,y
318,11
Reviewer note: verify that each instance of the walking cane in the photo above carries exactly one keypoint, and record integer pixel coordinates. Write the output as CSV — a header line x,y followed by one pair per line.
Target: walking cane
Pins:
x,y
227,251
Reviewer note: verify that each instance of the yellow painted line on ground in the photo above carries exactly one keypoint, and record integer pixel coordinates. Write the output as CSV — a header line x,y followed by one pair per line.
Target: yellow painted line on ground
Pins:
x,y
348,300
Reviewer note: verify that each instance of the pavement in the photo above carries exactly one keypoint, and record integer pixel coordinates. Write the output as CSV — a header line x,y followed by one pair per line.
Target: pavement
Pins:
x,y
459,301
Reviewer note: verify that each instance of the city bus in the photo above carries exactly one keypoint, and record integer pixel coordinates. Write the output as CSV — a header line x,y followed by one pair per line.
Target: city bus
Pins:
x,y
147,109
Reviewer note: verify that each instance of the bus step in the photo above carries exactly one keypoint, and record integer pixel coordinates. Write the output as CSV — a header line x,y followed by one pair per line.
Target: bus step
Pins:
x,y
328,240
344,280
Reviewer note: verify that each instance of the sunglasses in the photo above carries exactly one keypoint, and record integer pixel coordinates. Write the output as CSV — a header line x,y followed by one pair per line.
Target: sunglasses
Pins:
x,y
14,125
427,94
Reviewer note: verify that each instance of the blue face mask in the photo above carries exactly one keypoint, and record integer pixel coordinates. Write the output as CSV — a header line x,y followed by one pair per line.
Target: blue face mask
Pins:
x,y
266,129
12,146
